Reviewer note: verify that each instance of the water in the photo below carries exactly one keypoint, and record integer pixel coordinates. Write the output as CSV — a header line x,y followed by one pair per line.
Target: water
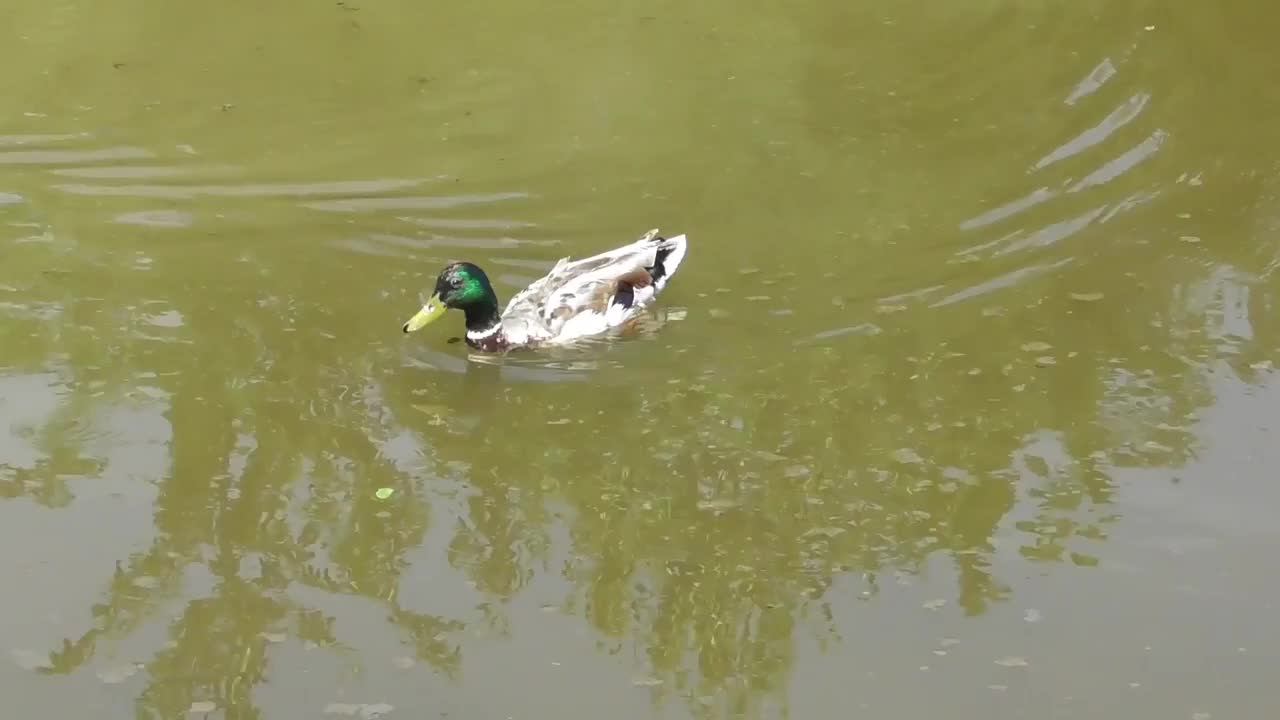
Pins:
x,y
961,406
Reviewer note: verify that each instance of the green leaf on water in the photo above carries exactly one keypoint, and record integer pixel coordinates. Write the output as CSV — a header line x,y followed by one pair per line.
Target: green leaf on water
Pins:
x,y
384,493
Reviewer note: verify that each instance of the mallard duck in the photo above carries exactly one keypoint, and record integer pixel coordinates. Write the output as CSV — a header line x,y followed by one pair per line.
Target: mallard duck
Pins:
x,y
577,299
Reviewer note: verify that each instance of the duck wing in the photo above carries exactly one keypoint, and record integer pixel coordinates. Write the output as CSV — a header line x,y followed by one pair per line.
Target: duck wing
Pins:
x,y
589,296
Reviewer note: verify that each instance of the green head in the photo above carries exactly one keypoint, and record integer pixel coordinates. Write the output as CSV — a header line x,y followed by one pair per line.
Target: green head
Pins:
x,y
461,286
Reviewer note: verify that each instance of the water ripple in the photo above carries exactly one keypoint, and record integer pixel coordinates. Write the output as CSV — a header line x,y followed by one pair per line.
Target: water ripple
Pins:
x,y
39,139
1053,232
139,172
66,157
156,218
1125,162
1009,209
425,202
1096,78
1008,279
347,187
1117,119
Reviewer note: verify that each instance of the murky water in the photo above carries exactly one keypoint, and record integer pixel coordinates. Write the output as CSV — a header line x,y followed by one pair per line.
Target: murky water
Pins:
x,y
961,406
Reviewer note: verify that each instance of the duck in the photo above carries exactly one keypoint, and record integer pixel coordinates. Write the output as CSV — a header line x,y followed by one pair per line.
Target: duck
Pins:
x,y
577,299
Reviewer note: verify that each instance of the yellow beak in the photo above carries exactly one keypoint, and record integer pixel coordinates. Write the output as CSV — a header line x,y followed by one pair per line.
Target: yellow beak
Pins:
x,y
427,315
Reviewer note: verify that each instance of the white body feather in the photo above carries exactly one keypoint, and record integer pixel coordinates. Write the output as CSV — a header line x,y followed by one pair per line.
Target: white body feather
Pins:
x,y
575,299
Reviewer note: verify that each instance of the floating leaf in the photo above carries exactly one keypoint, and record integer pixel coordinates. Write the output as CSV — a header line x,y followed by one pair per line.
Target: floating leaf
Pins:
x,y
1012,662
203,706
384,493
1087,297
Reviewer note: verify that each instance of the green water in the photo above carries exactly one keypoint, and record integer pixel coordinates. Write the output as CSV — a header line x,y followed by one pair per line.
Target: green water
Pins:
x,y
961,405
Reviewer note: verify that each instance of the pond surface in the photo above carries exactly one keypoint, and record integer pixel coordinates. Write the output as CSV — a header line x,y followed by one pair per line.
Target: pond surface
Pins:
x,y
962,405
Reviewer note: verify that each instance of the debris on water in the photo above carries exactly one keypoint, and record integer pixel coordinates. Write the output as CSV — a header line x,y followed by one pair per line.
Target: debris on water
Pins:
x,y
1012,662
718,505
1037,346
824,531
403,662
940,653
907,456
646,681
797,471
118,673
202,707
384,493
145,582
273,637
948,642
1046,361
1189,239
1032,615
935,604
